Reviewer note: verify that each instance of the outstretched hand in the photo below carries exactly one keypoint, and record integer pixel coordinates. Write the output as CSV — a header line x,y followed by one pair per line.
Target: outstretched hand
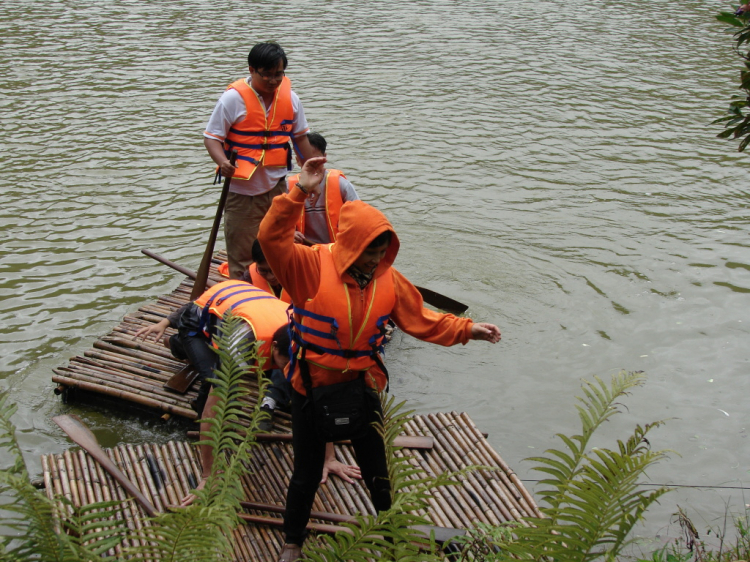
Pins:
x,y
485,331
156,329
313,172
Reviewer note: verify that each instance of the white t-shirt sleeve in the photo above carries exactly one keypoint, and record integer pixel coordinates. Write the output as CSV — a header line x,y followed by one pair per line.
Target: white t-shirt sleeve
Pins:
x,y
230,109
348,193
300,126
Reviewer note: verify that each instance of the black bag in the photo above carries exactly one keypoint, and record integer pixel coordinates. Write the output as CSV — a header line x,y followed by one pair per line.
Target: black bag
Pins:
x,y
343,410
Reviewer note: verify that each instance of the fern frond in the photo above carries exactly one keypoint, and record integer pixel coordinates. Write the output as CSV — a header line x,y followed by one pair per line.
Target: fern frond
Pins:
x,y
192,533
204,529
593,496
47,529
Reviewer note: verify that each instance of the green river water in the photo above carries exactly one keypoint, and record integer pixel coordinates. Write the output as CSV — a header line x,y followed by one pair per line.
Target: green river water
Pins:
x,y
550,164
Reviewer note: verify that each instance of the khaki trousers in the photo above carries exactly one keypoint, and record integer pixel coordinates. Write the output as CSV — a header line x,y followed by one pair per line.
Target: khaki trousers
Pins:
x,y
242,216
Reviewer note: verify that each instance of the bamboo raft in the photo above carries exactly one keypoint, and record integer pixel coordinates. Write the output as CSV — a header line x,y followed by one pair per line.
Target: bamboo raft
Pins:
x,y
166,473
134,372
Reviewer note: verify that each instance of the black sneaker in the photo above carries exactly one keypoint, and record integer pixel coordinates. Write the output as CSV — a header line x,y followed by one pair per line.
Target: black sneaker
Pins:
x,y
266,422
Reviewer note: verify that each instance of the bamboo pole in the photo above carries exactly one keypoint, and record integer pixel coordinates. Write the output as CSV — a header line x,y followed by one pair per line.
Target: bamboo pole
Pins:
x,y
145,484
438,507
124,395
454,495
63,473
480,479
129,352
153,349
509,475
503,496
470,481
192,460
179,468
170,476
263,480
132,513
136,366
240,544
117,379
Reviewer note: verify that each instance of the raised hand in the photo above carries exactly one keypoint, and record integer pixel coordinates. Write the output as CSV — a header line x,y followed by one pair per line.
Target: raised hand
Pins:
x,y
312,173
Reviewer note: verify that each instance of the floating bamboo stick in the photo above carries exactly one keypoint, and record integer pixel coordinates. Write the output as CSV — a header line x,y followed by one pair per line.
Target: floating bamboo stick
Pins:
x,y
122,394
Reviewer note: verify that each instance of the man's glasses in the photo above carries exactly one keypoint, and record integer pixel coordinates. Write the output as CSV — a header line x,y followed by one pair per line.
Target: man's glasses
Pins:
x,y
275,76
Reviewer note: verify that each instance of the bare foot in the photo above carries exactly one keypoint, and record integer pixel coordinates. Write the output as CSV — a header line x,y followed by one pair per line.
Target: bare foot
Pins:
x,y
190,498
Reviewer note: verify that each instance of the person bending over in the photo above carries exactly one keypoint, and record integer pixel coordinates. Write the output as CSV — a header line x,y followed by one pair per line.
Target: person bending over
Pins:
x,y
265,320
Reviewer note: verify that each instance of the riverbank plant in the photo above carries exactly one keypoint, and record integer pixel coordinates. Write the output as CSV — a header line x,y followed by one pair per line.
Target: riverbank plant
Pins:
x,y
591,499
737,120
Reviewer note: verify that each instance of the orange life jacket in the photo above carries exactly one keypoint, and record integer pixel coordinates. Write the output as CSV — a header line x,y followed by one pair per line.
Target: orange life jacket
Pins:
x,y
256,279
263,312
322,326
333,202
262,139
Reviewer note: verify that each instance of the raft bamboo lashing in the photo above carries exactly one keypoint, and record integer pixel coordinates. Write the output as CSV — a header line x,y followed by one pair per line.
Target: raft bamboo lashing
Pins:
x,y
165,473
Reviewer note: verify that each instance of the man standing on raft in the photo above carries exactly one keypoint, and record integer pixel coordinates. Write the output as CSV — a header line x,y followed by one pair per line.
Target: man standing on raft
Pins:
x,y
257,116
344,293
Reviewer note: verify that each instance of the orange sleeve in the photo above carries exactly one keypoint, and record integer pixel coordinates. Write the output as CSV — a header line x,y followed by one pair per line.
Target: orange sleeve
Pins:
x,y
412,317
297,267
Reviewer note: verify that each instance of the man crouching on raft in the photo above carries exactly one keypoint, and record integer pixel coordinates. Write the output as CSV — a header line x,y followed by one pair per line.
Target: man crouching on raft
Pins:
x,y
344,293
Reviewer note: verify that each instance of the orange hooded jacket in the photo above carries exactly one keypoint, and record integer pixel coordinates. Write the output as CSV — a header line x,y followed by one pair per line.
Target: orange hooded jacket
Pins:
x,y
298,268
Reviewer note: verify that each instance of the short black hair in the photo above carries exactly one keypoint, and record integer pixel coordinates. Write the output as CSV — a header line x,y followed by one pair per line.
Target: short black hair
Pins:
x,y
283,340
266,56
380,239
317,141
257,252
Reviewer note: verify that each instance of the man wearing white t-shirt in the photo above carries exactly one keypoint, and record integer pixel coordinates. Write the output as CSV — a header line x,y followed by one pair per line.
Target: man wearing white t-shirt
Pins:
x,y
258,116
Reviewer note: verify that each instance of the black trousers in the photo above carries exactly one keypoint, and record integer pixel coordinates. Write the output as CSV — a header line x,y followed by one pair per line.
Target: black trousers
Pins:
x,y
309,457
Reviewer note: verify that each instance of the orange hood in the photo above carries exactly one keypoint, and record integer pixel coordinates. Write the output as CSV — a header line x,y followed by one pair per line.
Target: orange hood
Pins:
x,y
360,224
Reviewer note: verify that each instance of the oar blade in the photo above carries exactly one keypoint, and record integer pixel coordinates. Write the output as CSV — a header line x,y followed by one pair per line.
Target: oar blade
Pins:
x,y
441,301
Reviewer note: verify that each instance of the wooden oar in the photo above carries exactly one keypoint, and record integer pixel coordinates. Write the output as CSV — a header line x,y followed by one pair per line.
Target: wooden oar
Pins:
x,y
82,435
441,301
430,297
405,441
200,280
